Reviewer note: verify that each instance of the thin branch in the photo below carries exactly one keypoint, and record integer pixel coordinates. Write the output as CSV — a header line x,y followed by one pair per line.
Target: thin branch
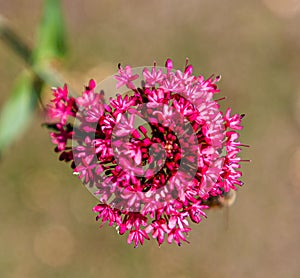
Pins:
x,y
47,74
14,42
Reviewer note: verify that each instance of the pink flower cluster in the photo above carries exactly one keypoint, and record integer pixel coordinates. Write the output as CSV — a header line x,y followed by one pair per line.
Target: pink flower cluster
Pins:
x,y
153,175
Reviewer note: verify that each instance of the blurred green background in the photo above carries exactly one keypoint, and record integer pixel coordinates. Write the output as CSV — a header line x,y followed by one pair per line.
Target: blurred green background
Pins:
x,y
47,227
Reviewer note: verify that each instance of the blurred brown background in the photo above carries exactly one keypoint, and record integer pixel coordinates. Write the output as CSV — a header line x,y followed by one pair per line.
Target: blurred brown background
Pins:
x,y
47,227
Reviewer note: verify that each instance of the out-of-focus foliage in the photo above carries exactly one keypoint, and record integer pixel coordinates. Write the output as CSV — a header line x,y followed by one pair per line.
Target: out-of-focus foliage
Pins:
x,y
17,111
51,44
51,36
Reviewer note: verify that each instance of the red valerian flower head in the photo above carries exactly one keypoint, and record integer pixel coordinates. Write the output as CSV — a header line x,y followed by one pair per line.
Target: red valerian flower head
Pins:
x,y
154,153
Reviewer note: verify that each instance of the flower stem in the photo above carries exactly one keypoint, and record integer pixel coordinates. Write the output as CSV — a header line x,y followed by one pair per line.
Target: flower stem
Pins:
x,y
15,42
46,74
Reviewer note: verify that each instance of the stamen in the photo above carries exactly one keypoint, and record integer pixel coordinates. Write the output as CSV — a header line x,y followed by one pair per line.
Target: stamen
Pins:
x,y
244,145
222,98
186,61
245,160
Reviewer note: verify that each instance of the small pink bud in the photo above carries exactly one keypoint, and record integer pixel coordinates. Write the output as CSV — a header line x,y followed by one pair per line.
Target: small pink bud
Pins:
x,y
92,84
189,70
169,64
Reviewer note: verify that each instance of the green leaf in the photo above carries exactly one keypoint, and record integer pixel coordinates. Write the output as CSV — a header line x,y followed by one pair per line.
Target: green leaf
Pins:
x,y
18,109
51,36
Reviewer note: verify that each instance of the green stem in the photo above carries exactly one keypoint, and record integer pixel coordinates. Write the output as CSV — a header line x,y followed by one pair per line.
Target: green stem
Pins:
x,y
14,42
47,74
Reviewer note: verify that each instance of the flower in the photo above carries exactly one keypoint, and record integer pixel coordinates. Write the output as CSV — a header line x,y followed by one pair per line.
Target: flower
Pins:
x,y
125,77
154,155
